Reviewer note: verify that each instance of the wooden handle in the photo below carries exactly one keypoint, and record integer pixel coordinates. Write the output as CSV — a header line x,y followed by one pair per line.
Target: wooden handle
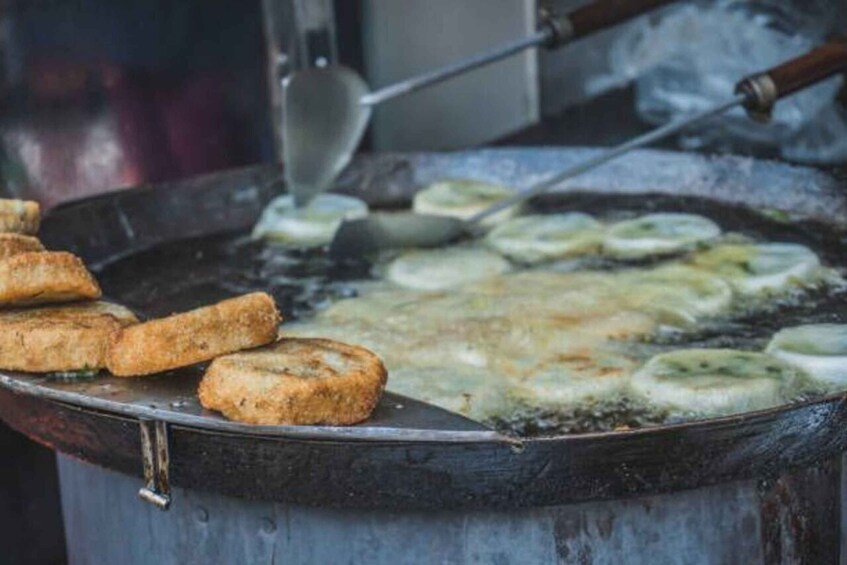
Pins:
x,y
764,89
607,13
815,66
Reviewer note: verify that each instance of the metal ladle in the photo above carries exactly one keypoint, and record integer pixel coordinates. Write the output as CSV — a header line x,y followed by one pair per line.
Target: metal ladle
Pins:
x,y
326,110
757,93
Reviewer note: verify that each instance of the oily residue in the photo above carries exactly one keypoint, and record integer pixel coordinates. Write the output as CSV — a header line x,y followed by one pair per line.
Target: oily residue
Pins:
x,y
186,274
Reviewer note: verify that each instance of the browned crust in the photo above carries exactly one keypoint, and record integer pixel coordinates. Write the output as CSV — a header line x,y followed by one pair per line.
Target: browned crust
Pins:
x,y
45,277
14,244
19,216
60,338
183,339
294,382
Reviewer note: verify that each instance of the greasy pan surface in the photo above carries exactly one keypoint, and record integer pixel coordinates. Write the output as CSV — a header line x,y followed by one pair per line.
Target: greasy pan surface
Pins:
x,y
411,454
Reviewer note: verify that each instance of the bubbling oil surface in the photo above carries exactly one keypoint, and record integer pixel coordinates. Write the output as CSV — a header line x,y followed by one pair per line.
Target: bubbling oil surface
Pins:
x,y
307,285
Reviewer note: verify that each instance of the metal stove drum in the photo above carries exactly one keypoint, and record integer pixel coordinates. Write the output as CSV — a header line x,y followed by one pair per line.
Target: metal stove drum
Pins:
x,y
416,483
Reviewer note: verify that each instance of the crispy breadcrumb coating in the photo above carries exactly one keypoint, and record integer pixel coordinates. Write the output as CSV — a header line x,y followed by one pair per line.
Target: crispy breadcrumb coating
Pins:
x,y
60,338
15,244
183,339
295,381
45,277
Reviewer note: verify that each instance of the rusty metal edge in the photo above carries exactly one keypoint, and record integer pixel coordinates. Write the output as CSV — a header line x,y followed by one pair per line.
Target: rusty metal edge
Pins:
x,y
331,433
384,434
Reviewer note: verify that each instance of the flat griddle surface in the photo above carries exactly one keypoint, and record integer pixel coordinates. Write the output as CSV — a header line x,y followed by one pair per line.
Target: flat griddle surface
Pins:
x,y
410,455
186,274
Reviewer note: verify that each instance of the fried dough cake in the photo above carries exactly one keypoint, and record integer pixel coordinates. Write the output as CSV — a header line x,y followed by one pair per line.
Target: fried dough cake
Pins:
x,y
183,339
45,277
74,337
15,244
295,381
19,216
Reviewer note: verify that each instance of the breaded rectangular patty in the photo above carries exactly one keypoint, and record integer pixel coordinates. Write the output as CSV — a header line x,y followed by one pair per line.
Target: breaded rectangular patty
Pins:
x,y
60,338
43,278
15,244
199,335
19,216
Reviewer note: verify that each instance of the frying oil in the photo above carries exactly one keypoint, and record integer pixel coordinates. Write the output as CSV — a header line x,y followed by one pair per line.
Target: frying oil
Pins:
x,y
310,288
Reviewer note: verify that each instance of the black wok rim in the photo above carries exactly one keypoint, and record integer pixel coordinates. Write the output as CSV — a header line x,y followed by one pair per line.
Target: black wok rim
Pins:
x,y
517,472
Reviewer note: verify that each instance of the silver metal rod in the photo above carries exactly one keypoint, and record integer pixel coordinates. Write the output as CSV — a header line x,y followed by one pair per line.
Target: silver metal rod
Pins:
x,y
640,141
416,83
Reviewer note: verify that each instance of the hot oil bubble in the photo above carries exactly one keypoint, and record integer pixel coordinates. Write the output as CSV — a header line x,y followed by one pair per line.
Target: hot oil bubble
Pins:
x,y
606,416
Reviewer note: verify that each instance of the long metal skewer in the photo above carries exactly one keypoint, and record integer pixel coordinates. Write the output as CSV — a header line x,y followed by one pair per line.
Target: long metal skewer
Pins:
x,y
757,93
327,110
410,85
642,140
556,30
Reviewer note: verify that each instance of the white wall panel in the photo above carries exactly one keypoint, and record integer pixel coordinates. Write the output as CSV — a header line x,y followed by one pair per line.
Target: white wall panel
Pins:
x,y
405,37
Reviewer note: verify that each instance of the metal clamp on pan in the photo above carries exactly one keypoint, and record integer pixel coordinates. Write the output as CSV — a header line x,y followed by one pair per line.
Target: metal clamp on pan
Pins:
x,y
762,90
156,459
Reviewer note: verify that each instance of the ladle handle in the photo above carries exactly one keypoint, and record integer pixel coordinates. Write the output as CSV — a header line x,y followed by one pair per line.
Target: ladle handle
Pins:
x,y
597,16
765,88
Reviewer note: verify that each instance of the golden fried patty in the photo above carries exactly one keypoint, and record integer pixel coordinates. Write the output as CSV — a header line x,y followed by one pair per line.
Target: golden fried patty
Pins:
x,y
15,244
19,216
60,338
199,335
45,277
295,381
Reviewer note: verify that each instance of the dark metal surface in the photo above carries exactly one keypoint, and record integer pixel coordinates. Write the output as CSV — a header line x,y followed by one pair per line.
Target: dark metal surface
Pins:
x,y
801,515
31,531
418,456
788,521
432,475
172,398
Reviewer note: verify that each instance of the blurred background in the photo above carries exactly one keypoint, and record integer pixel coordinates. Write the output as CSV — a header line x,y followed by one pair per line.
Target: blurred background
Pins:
x,y
104,94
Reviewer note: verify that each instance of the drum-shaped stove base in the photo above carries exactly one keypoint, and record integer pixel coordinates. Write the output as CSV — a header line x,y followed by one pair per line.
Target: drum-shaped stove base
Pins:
x,y
791,520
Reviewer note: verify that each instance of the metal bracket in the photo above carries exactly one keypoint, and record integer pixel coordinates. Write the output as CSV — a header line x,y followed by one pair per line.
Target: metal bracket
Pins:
x,y
154,454
762,93
559,27
316,34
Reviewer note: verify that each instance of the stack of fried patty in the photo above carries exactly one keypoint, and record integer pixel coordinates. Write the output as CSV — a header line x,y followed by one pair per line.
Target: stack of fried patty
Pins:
x,y
69,330
52,321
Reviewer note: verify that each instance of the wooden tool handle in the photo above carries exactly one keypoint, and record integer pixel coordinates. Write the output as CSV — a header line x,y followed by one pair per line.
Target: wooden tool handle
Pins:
x,y
607,13
764,89
808,69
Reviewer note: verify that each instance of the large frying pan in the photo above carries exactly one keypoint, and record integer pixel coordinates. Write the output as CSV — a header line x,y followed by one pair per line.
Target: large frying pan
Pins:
x,y
412,455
